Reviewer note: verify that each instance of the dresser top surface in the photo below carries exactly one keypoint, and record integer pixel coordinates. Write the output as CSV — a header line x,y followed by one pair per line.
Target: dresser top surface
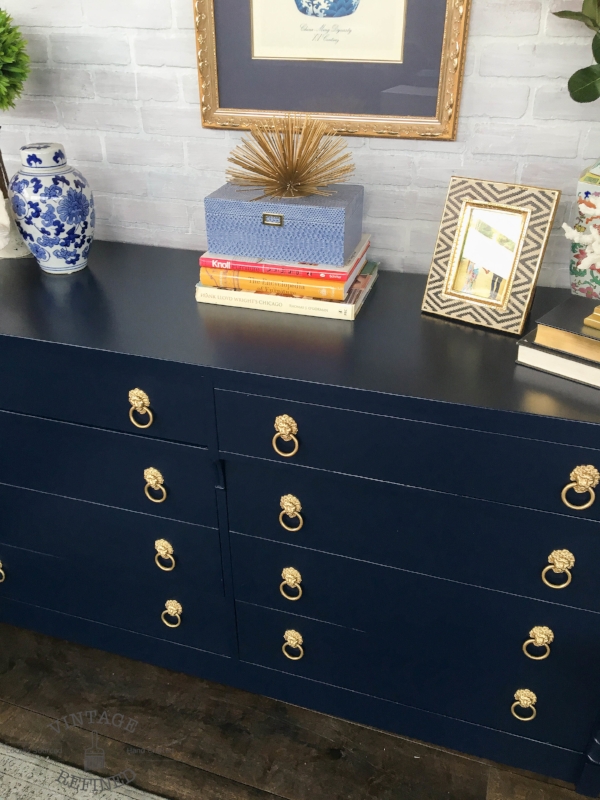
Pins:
x,y
140,300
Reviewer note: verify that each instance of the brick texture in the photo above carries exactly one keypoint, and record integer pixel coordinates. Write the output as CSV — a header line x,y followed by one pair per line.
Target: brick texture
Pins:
x,y
116,83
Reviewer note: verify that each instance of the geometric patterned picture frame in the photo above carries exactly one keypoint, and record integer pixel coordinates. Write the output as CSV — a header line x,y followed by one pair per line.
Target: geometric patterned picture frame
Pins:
x,y
468,288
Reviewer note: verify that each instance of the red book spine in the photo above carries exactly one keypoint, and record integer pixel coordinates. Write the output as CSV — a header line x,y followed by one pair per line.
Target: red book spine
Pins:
x,y
309,271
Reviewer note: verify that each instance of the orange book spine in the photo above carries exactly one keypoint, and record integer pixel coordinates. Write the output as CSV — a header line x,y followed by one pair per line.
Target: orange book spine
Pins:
x,y
272,284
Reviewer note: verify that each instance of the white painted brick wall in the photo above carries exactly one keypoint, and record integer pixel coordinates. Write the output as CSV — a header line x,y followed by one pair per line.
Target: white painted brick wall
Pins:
x,y
115,82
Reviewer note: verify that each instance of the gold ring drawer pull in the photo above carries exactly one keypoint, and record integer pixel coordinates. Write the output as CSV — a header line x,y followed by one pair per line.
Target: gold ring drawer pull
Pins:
x,y
524,698
154,480
2,573
172,609
561,562
164,552
291,508
140,404
287,429
584,479
293,641
541,636
292,580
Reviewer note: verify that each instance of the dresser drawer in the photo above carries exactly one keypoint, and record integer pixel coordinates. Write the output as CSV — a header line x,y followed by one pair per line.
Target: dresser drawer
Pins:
x,y
506,469
472,541
105,467
205,621
119,598
91,387
453,652
31,576
82,538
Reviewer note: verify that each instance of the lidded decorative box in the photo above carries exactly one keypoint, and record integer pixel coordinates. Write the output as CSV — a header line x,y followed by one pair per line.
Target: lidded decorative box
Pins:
x,y
314,229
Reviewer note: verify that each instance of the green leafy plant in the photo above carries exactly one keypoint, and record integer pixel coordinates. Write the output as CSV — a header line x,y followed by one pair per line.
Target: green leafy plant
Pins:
x,y
14,69
584,85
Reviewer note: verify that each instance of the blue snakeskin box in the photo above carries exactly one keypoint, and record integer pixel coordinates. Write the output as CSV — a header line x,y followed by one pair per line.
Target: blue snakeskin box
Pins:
x,y
316,229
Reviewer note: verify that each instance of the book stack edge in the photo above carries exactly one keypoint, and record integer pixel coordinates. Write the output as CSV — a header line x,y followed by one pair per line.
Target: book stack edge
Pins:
x,y
317,290
565,343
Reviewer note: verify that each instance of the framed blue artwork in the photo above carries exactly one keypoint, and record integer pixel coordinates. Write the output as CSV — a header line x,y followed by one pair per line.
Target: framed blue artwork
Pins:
x,y
368,67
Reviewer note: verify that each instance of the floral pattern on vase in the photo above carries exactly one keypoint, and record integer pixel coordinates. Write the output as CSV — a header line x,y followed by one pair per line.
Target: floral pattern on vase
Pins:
x,y
327,8
53,206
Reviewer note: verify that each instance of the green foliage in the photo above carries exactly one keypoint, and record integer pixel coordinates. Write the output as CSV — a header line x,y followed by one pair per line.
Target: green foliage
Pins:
x,y
578,16
591,9
14,62
584,85
596,48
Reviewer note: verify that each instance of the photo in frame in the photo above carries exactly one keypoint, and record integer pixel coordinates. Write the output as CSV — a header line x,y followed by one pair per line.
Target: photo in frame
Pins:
x,y
489,252
390,68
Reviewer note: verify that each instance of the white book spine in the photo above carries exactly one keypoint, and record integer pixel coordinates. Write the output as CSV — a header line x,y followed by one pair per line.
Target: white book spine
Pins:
x,y
565,367
285,305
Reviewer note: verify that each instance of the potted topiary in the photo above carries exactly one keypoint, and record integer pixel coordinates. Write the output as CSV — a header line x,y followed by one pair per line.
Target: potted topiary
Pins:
x,y
14,69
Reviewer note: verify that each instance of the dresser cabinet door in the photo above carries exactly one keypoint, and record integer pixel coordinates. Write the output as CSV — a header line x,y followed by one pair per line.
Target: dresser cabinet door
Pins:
x,y
506,469
445,648
91,387
108,468
472,541
105,564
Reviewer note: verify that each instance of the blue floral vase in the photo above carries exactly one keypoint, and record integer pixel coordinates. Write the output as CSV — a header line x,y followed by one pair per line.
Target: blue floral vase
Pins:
x,y
54,208
327,8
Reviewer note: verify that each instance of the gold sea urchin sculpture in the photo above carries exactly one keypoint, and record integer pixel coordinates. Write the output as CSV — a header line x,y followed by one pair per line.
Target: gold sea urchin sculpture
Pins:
x,y
290,157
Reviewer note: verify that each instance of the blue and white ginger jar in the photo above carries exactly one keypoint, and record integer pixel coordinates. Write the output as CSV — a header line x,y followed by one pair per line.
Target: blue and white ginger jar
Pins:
x,y
327,8
54,208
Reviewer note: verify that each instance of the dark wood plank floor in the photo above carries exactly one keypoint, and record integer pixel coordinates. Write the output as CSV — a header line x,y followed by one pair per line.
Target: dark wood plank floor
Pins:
x,y
186,739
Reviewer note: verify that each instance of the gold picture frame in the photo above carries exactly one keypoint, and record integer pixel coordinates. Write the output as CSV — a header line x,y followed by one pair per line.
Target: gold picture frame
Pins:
x,y
441,126
489,252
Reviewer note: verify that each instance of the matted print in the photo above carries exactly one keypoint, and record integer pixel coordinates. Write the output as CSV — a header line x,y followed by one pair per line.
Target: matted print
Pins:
x,y
390,68
329,30
489,252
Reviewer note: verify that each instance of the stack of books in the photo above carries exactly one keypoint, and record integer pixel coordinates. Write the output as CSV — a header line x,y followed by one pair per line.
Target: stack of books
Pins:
x,y
315,290
566,342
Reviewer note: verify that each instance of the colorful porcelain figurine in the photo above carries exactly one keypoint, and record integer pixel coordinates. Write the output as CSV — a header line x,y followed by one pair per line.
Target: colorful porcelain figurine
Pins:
x,y
54,208
585,272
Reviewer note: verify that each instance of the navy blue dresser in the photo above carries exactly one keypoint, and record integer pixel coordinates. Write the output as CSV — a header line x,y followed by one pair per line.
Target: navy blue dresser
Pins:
x,y
378,520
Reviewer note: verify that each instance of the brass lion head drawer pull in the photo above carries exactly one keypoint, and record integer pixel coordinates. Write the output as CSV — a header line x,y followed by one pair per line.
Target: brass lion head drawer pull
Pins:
x,y
524,698
293,641
140,404
291,508
540,637
584,479
2,573
560,562
154,481
287,429
291,580
164,552
172,609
